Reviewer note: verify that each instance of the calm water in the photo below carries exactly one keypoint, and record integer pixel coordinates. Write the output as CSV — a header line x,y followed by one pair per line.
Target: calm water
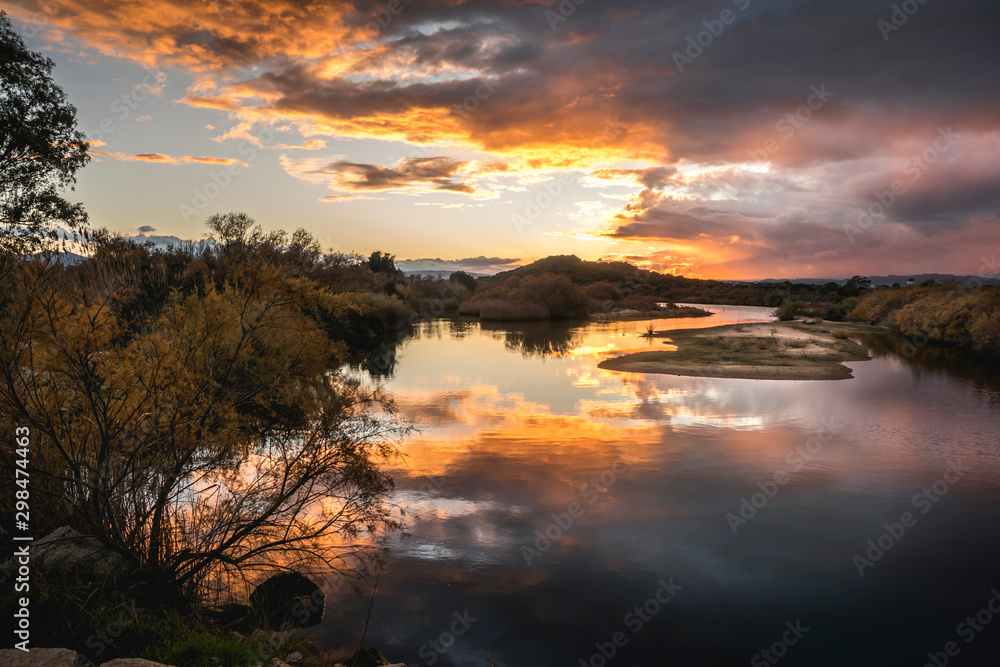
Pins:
x,y
640,481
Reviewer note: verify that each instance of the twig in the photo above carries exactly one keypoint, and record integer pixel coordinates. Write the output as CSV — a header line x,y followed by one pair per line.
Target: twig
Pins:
x,y
368,617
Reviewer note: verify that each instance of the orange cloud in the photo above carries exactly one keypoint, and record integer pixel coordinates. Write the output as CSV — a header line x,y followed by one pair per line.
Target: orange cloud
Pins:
x,y
167,159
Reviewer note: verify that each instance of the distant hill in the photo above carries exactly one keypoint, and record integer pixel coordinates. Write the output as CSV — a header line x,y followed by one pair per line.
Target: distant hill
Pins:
x,y
583,272
677,289
438,275
67,258
165,242
580,271
878,281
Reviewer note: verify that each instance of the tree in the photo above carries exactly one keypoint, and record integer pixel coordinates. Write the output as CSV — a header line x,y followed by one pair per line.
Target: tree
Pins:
x,y
382,262
230,228
203,437
40,147
856,285
463,278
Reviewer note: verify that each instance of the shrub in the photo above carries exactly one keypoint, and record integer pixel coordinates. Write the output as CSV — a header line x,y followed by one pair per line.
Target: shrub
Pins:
x,y
510,311
789,310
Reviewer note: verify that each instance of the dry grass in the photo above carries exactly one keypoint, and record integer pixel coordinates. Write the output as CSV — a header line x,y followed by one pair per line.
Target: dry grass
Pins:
x,y
792,352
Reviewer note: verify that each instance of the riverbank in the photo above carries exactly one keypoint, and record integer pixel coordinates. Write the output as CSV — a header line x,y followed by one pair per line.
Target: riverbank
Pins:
x,y
760,351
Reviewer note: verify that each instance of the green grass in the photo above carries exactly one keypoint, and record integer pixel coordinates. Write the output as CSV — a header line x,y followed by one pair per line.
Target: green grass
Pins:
x,y
103,624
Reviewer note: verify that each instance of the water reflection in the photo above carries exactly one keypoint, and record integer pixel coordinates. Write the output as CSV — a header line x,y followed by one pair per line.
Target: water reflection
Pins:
x,y
519,426
538,339
980,370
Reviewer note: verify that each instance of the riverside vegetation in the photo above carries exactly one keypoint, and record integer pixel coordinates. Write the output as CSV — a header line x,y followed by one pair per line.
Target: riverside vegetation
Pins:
x,y
196,413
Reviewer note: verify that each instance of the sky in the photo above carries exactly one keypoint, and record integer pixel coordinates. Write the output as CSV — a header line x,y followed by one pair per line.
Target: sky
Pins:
x,y
737,139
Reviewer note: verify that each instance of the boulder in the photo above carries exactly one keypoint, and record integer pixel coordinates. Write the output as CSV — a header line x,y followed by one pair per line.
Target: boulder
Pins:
x,y
288,601
38,657
65,551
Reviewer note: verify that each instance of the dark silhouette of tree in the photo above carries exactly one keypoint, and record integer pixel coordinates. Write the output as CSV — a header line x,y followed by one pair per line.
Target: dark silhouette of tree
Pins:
x,y
856,286
229,228
382,262
463,278
40,147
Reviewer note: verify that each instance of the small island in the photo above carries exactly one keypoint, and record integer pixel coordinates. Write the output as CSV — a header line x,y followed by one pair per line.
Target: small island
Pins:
x,y
759,351
664,312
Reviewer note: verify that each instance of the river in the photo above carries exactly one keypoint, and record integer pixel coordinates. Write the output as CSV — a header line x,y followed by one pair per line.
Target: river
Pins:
x,y
560,514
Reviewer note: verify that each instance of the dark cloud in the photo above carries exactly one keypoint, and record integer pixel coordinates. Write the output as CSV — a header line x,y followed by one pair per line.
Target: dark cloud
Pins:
x,y
436,171
827,102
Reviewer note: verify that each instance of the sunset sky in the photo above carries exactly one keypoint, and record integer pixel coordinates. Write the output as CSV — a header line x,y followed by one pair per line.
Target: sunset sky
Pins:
x,y
729,139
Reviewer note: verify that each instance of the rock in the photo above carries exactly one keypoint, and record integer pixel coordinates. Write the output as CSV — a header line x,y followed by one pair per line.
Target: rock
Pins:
x,y
38,657
132,662
293,657
65,551
288,600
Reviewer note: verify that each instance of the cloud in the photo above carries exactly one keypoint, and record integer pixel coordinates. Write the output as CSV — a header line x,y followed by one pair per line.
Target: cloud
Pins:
x,y
161,158
311,145
340,198
413,175
147,229
760,149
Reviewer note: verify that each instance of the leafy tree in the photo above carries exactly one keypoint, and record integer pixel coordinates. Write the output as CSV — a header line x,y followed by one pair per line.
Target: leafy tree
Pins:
x,y
193,419
40,147
382,262
463,278
856,286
